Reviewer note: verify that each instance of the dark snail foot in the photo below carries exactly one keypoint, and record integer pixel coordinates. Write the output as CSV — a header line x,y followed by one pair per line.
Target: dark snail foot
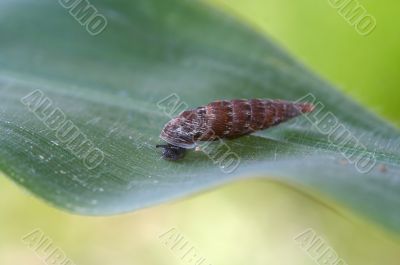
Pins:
x,y
172,152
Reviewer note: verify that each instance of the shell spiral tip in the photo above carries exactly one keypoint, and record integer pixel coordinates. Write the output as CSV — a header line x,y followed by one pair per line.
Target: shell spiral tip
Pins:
x,y
306,107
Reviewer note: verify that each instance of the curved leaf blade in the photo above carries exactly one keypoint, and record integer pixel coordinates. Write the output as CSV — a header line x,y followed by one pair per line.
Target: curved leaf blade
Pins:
x,y
108,86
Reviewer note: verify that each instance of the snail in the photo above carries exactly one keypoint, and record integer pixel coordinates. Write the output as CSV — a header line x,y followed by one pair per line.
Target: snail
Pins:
x,y
225,119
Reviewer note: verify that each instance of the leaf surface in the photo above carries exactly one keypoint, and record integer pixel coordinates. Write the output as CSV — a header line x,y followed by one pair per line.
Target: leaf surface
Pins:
x,y
109,85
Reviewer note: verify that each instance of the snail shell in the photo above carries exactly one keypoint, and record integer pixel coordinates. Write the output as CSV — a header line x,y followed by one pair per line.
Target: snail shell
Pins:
x,y
229,119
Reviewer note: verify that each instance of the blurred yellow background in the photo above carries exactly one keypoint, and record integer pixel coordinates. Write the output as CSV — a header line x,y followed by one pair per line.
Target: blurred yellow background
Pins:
x,y
253,221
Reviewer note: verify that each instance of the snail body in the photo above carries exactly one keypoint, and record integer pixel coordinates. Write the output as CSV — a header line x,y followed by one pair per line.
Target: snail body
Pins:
x,y
225,119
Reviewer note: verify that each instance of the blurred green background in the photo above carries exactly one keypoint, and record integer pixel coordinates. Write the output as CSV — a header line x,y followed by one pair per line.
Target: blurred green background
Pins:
x,y
253,221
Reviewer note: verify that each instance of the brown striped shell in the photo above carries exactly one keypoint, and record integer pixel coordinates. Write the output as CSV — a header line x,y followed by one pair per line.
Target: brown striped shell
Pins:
x,y
229,119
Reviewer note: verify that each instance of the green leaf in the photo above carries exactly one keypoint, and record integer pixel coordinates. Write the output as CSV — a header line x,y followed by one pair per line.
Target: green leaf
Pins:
x,y
109,85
